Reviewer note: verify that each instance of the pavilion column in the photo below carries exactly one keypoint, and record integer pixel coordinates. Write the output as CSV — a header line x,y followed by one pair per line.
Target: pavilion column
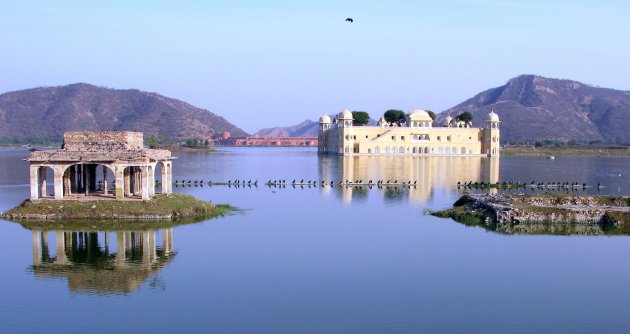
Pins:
x,y
34,182
67,184
79,178
104,180
144,174
121,181
127,181
86,178
42,182
151,181
58,181
138,174
165,181
169,177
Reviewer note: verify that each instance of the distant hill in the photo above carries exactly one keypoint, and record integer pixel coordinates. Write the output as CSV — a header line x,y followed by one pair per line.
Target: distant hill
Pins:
x,y
43,114
307,128
535,108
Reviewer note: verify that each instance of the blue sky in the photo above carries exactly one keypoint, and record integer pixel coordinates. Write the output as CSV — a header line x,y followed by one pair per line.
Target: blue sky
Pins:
x,y
272,63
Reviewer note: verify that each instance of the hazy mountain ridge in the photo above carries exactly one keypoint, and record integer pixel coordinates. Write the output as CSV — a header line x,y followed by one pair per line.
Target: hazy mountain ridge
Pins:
x,y
45,113
535,108
307,128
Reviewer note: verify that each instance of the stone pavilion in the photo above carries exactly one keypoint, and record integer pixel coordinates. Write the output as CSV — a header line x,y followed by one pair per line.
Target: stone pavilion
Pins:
x,y
100,165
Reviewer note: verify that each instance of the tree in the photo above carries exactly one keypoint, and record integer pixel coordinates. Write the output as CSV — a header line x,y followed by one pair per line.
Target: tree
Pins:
x,y
192,142
395,116
154,141
360,118
465,117
431,114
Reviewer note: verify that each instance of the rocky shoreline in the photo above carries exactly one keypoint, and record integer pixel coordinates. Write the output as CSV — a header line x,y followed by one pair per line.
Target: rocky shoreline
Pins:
x,y
538,214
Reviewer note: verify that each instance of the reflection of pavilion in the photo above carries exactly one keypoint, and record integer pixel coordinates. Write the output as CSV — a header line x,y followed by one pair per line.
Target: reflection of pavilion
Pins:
x,y
441,172
87,262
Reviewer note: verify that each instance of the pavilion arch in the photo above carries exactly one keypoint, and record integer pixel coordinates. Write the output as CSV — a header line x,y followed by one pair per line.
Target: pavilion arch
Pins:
x,y
43,176
88,179
159,175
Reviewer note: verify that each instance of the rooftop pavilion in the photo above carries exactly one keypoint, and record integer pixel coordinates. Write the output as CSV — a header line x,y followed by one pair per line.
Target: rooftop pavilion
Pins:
x,y
100,164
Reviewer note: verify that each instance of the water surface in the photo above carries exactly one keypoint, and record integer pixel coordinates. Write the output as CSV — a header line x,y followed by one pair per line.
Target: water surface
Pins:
x,y
313,260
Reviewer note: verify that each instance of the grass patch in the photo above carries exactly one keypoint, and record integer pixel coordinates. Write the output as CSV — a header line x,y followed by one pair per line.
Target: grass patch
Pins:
x,y
171,206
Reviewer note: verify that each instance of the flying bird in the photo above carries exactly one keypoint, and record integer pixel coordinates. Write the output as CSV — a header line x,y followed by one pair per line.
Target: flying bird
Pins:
x,y
349,20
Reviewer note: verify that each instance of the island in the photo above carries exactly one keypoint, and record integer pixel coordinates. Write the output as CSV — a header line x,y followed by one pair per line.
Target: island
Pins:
x,y
106,175
542,213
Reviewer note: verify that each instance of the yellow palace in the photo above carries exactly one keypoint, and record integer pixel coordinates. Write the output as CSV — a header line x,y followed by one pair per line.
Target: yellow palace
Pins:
x,y
416,136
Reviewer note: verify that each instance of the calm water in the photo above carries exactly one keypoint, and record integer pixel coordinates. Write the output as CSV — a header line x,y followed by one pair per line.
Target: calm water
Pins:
x,y
319,260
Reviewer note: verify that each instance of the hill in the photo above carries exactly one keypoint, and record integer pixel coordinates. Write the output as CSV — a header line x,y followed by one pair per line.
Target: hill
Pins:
x,y
307,128
535,108
44,114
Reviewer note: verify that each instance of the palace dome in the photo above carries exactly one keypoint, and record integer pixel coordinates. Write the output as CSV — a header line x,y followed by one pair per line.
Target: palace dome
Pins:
x,y
344,114
493,117
419,115
324,119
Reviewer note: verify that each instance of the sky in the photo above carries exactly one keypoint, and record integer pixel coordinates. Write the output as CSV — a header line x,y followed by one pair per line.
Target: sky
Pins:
x,y
276,63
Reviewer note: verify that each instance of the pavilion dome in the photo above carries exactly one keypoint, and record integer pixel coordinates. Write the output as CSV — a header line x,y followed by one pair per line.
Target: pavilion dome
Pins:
x,y
493,117
419,115
448,119
324,119
345,114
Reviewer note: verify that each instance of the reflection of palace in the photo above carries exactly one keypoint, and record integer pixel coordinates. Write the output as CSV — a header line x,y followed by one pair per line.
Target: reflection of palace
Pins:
x,y
87,262
429,173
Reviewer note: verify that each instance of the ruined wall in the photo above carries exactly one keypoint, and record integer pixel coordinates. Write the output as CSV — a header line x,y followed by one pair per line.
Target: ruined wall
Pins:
x,y
103,140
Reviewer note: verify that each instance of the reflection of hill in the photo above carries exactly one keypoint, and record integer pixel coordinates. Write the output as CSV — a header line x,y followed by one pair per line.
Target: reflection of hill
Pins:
x,y
90,265
428,173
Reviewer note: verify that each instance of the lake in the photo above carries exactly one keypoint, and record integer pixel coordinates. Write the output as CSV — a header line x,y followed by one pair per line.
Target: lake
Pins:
x,y
319,259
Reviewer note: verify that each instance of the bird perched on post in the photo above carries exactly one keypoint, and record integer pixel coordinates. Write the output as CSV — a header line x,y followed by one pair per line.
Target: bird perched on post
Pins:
x,y
349,20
